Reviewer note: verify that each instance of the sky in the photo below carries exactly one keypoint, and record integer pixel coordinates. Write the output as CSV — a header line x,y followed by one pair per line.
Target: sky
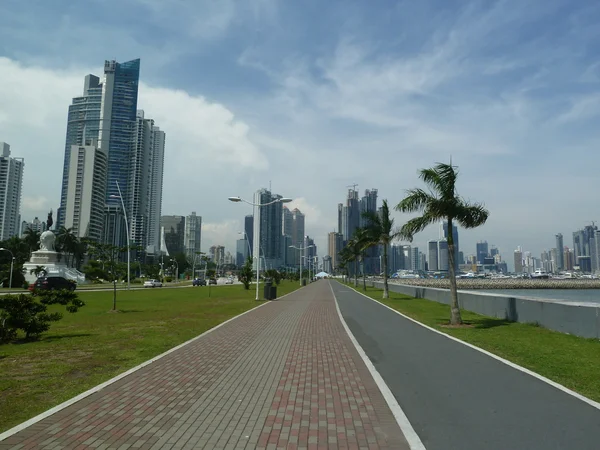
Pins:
x,y
309,97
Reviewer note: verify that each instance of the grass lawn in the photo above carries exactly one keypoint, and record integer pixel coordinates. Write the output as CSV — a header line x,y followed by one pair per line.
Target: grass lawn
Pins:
x,y
569,360
91,346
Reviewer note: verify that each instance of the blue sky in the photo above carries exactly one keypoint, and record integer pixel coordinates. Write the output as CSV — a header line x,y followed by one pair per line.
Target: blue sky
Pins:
x,y
314,96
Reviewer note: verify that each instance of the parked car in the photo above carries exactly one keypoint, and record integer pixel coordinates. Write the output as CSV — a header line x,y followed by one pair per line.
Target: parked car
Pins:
x,y
199,282
213,281
229,281
52,283
152,283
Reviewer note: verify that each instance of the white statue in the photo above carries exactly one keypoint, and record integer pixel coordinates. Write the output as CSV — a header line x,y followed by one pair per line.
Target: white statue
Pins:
x,y
47,239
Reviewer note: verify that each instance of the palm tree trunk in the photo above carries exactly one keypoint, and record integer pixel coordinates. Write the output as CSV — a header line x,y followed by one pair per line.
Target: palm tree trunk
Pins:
x,y
455,317
362,264
386,290
355,273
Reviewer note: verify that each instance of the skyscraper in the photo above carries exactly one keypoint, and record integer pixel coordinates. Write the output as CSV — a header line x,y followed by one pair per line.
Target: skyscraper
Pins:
x,y
454,238
335,243
482,251
350,215
249,230
11,181
298,227
442,255
518,259
560,256
368,204
157,160
432,255
192,235
267,228
86,184
173,229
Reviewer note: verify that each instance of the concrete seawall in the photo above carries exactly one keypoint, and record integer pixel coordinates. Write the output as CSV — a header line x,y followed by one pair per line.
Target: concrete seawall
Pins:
x,y
502,283
580,319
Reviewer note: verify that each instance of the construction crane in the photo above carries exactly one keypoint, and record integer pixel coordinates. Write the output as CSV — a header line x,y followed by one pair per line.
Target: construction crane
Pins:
x,y
353,186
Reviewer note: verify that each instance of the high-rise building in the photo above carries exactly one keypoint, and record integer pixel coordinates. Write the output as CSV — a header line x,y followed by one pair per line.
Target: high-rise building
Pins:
x,y
368,203
241,252
454,238
518,260
298,227
327,266
350,215
157,161
83,123
267,229
173,230
192,235
560,259
11,181
36,225
442,255
432,256
217,254
335,243
86,183
287,220
482,251
414,259
134,148
569,258
249,230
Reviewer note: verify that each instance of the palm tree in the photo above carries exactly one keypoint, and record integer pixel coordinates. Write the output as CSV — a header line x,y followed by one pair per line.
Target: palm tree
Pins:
x,y
347,256
361,240
382,231
32,239
67,241
442,202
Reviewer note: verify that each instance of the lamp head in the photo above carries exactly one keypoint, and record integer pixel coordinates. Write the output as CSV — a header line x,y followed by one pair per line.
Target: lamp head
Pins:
x,y
285,200
234,199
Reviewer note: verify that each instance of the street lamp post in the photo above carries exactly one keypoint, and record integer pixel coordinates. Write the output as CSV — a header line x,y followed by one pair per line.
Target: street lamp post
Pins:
x,y
12,262
127,231
259,205
176,269
300,258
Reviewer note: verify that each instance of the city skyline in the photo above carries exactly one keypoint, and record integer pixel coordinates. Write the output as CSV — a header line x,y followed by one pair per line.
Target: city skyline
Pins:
x,y
508,90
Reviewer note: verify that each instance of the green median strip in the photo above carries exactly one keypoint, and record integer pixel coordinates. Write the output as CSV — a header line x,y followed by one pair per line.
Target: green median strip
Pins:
x,y
569,360
93,345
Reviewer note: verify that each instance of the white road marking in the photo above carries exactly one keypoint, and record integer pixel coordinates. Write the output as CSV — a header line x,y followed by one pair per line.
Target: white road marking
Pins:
x,y
409,432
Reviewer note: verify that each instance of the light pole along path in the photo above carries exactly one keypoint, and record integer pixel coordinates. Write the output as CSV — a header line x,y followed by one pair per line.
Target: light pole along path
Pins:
x,y
120,196
259,205
302,249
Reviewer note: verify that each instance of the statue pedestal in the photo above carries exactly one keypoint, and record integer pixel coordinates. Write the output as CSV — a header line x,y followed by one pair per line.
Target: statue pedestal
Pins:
x,y
54,268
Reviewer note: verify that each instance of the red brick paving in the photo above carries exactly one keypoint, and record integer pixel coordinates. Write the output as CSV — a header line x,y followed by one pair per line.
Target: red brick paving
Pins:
x,y
285,375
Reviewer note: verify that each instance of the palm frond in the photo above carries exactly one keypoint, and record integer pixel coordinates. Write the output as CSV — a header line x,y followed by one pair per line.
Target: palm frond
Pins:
x,y
470,215
414,226
415,200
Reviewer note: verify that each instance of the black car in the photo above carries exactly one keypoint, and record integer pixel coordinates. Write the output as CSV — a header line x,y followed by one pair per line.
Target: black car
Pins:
x,y
51,283
198,282
213,281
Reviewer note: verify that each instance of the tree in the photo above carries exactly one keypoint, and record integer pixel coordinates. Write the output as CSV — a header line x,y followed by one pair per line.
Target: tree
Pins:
x,y
38,271
108,254
68,243
32,239
355,251
346,255
24,312
381,230
442,202
245,275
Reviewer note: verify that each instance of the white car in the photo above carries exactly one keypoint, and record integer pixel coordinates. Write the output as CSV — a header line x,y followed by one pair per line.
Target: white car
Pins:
x,y
229,281
152,283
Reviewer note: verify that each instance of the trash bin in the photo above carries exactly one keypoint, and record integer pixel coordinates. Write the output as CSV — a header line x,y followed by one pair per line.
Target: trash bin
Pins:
x,y
273,293
303,281
267,289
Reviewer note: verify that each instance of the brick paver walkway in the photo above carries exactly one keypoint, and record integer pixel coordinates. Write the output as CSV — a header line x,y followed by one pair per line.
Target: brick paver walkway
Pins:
x,y
285,375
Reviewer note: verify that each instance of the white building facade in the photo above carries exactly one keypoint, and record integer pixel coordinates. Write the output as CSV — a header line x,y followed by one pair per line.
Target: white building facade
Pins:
x,y
11,181
86,185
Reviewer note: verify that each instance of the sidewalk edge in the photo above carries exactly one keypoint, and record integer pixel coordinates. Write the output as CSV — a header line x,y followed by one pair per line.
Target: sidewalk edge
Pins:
x,y
409,432
8,433
536,375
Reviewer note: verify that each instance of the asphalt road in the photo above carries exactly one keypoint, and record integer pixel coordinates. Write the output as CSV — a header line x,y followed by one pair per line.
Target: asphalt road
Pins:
x,y
457,398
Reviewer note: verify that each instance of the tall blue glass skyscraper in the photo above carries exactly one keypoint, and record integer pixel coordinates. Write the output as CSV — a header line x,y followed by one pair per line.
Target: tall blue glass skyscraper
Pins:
x,y
118,124
105,117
